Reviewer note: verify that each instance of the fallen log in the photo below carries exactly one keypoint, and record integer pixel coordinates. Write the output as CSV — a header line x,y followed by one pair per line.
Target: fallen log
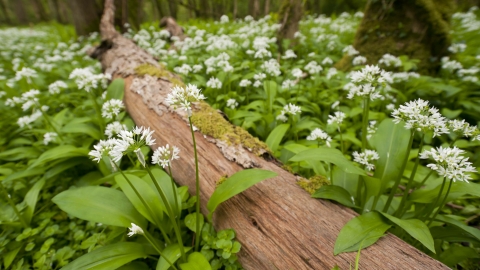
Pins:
x,y
278,224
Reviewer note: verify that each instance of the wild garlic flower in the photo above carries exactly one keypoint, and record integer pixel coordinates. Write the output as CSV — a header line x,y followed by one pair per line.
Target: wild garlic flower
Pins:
x,y
183,69
350,50
197,68
457,47
366,158
337,119
282,117
271,67
102,148
25,121
419,116
49,137
86,80
389,60
359,60
449,163
289,54
26,73
214,83
114,128
111,108
450,65
164,155
54,88
134,230
291,109
132,141
224,19
260,76
372,128
313,68
183,96
245,83
288,84
232,103
297,73
29,99
327,61
461,127
318,134
331,72
2,94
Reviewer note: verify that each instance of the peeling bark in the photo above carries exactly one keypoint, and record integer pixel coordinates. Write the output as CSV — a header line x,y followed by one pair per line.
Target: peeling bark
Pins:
x,y
278,224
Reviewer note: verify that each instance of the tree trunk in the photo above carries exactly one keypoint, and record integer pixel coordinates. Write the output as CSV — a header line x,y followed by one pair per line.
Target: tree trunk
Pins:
x,y
278,224
161,11
267,7
254,8
40,11
290,15
20,13
172,6
3,7
235,9
86,16
417,28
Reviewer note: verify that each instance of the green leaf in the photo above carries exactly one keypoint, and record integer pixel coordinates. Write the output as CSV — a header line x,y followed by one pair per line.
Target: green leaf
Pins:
x,y
270,88
24,174
458,189
363,230
190,221
236,184
196,261
99,204
470,230
153,201
10,256
328,155
19,153
275,137
391,142
453,234
116,89
88,129
416,228
31,199
334,193
108,257
172,253
165,183
456,254
347,181
63,166
60,152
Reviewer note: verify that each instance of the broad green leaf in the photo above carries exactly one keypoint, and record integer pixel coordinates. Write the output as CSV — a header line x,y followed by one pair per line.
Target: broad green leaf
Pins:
x,y
135,265
236,184
275,137
18,153
270,88
172,253
196,261
453,234
416,228
60,152
24,174
116,89
63,166
458,189
99,204
347,181
391,142
456,254
190,221
86,128
334,193
470,230
363,230
108,257
31,199
10,256
165,183
154,205
328,155
373,186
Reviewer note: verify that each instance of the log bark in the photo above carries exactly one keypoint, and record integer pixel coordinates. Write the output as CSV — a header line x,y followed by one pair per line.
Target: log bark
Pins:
x,y
278,224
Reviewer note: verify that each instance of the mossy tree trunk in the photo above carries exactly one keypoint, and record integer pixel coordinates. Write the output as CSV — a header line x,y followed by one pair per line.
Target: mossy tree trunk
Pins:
x,y
417,28
86,16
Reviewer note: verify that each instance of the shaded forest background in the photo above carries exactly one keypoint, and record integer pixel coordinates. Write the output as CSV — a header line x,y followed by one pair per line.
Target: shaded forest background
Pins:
x,y
85,14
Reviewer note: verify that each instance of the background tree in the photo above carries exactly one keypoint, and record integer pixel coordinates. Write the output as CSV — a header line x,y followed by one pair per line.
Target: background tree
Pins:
x,y
290,14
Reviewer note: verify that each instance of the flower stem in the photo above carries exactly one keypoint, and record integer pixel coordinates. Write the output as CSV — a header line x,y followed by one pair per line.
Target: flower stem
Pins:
x,y
366,105
400,211
174,190
443,201
170,213
400,174
150,240
101,122
14,206
197,188
341,139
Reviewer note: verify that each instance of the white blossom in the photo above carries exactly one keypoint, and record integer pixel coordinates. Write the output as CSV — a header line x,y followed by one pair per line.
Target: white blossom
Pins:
x,y
183,96
318,134
232,103
390,61
134,229
54,88
245,83
49,137
337,119
313,68
111,108
164,155
366,158
114,128
449,163
291,109
289,54
214,83
297,73
359,60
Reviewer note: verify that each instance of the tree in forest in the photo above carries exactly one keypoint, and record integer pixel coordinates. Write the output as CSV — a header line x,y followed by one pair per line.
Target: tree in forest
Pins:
x,y
86,15
416,28
290,14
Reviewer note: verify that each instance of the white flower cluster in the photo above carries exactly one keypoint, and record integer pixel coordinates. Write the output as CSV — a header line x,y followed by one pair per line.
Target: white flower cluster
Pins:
x,y
245,83
404,76
418,115
450,65
126,141
184,69
214,83
183,97
367,82
164,155
289,54
462,127
287,84
86,80
366,158
288,109
449,163
134,230
318,134
114,128
457,47
390,61
350,50
219,62
232,103
372,128
313,68
271,67
297,73
337,119
26,73
25,121
49,137
359,60
111,108
54,88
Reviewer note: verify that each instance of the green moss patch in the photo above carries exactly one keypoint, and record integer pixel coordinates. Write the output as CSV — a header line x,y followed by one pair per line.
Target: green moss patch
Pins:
x,y
313,183
159,72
